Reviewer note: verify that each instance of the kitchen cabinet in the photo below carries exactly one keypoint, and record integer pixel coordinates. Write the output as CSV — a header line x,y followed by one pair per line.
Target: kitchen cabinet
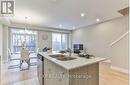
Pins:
x,y
65,77
79,71
40,69
54,74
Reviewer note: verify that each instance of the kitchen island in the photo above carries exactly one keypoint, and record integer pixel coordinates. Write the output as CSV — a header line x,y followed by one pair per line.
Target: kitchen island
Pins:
x,y
72,70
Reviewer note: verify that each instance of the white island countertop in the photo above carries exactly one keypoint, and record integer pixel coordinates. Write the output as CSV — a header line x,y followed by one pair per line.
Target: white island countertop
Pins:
x,y
72,64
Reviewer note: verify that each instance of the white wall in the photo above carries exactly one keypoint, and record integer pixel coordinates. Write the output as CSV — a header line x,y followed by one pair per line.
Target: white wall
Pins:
x,y
39,28
120,55
5,43
48,43
1,38
1,47
97,38
44,43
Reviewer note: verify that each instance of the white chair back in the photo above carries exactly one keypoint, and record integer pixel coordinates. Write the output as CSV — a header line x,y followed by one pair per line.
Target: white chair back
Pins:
x,y
24,54
37,51
9,54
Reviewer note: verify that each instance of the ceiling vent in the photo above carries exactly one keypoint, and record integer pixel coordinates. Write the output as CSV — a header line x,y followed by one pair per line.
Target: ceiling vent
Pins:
x,y
124,11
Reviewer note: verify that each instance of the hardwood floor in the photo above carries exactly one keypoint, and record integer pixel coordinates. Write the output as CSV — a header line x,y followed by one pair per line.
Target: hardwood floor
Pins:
x,y
29,77
111,77
12,76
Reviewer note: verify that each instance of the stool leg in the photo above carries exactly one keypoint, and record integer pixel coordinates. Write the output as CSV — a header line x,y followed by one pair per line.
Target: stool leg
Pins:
x,y
21,64
28,62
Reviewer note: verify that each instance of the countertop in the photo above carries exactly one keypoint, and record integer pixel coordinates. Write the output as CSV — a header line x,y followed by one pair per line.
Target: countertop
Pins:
x,y
72,64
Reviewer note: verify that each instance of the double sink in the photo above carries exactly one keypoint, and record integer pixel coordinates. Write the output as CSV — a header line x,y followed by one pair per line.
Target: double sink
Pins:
x,y
62,57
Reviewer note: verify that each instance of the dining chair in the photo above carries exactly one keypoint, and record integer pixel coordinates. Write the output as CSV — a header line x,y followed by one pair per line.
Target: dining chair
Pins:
x,y
34,55
33,58
24,58
13,60
12,56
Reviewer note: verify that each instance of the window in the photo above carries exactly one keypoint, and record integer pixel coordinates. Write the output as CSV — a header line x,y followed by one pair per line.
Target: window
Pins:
x,y
23,36
59,41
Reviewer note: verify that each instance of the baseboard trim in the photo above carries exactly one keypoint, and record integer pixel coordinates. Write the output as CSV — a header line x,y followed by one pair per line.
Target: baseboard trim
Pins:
x,y
120,69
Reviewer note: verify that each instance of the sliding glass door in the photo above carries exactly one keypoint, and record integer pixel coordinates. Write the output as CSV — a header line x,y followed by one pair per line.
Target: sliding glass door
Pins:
x,y
20,37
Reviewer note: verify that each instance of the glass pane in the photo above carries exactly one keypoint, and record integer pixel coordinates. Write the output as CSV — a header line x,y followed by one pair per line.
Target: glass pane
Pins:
x,y
30,43
56,41
23,36
64,41
59,41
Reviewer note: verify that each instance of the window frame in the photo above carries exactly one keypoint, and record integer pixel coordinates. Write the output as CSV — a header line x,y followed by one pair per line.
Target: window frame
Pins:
x,y
61,40
24,34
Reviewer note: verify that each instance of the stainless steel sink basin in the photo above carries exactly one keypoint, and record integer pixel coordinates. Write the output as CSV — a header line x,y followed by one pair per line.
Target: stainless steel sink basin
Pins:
x,y
62,57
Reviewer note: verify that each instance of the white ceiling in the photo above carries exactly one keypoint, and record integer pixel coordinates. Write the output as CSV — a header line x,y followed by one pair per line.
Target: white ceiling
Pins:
x,y
52,13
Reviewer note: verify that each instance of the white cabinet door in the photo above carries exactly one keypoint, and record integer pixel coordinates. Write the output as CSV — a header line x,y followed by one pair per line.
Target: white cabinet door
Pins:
x,y
40,72
93,70
48,73
54,74
91,73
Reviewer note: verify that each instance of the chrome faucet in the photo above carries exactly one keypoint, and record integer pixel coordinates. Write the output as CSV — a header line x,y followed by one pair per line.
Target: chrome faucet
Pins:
x,y
69,51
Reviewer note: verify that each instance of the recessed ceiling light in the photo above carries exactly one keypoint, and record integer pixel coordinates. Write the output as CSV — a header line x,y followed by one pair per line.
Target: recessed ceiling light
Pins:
x,y
82,14
97,20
